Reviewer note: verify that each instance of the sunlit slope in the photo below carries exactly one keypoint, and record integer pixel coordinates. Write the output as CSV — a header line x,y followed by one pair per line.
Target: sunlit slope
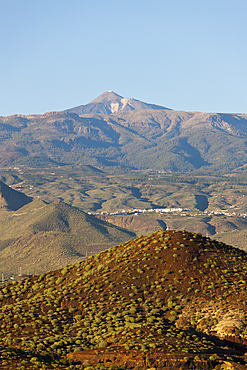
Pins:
x,y
157,139
169,299
40,237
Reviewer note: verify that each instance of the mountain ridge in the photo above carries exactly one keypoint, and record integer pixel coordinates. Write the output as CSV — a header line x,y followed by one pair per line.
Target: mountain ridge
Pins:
x,y
158,139
109,102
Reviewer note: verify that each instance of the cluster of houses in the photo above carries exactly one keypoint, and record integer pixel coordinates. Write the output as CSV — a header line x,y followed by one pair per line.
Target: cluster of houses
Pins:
x,y
138,211
226,213
172,210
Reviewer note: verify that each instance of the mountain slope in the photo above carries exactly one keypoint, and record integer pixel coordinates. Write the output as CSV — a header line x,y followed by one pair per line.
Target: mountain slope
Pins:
x,y
110,102
169,300
11,199
157,139
140,225
40,237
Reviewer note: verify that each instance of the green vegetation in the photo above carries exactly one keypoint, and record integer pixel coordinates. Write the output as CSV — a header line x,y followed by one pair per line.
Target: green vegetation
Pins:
x,y
116,307
170,299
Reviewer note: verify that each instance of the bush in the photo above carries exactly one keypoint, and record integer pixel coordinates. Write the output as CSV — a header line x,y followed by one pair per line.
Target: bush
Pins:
x,y
212,358
64,270
59,280
103,344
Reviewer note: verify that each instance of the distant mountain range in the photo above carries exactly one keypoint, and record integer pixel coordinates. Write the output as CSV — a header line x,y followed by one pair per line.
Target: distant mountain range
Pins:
x,y
112,130
110,102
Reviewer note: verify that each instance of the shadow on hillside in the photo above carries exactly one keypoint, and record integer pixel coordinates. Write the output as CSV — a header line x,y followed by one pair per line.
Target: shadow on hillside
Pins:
x,y
201,202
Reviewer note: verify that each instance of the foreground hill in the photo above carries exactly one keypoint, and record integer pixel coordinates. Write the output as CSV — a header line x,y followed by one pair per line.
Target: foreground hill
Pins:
x,y
168,300
39,237
138,138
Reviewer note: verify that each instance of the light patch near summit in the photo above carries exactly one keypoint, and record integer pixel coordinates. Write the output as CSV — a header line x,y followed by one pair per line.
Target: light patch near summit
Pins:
x,y
114,107
124,101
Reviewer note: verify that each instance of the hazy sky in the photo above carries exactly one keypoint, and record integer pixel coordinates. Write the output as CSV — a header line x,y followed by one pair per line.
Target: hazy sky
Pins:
x,y
183,54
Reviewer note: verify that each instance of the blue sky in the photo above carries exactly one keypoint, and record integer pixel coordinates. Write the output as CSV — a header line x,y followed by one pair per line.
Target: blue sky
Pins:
x,y
187,55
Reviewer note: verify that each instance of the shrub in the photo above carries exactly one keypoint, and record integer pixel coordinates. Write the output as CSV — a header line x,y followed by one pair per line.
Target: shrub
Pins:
x,y
103,344
212,358
59,280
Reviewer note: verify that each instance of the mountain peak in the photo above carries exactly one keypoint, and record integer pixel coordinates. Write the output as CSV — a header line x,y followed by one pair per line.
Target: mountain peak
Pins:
x,y
110,102
107,96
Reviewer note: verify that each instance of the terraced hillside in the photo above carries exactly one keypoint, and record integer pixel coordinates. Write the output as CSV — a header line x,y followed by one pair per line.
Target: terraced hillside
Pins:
x,y
167,300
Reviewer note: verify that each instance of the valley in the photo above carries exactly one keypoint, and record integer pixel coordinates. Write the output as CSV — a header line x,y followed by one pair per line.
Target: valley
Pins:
x,y
123,238
144,201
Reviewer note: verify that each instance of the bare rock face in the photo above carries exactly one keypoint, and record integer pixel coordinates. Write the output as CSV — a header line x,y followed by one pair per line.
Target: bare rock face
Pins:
x,y
230,366
228,324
